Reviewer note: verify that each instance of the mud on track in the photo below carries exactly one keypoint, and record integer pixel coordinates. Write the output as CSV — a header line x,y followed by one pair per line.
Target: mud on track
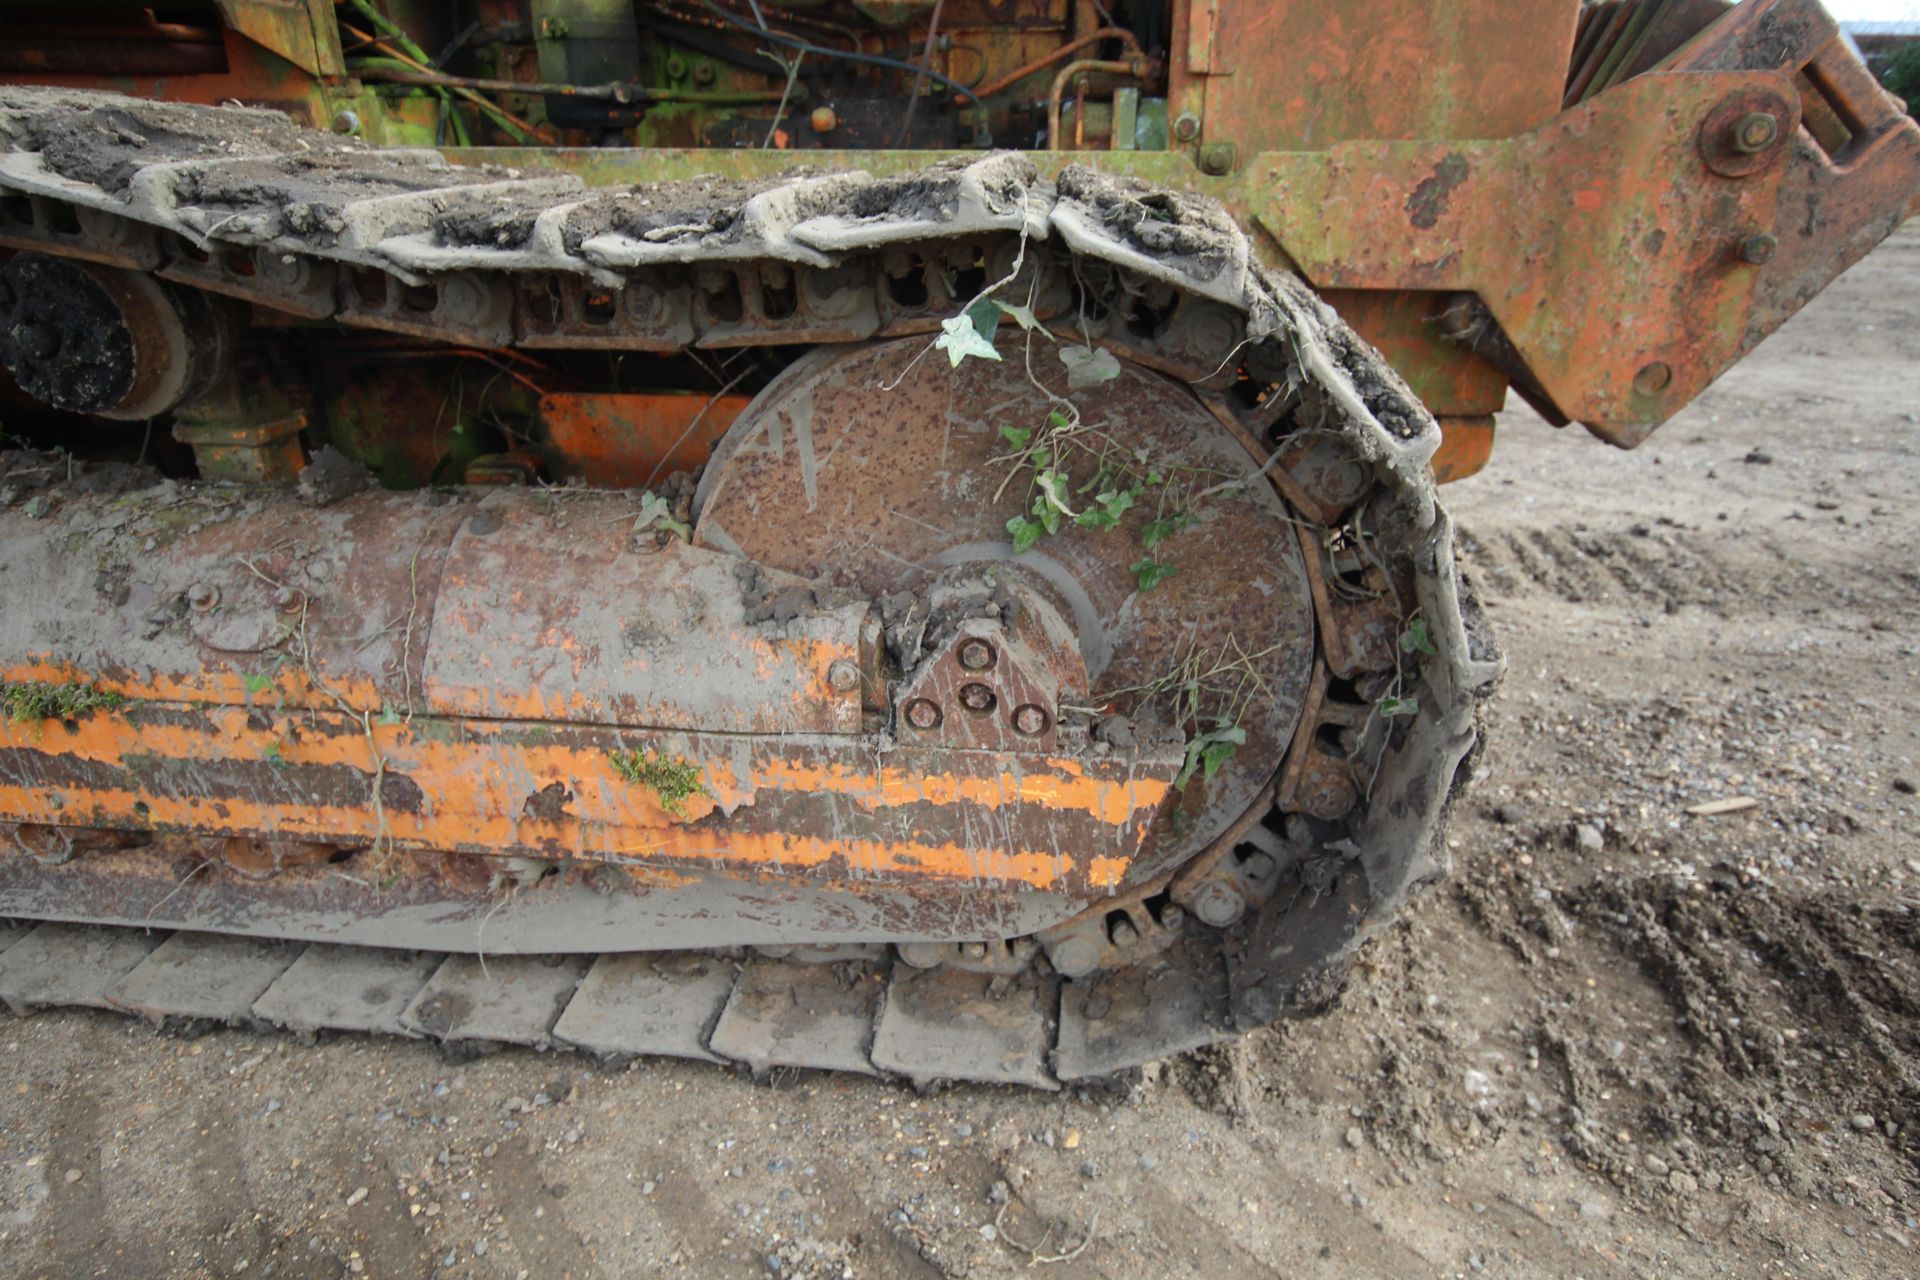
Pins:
x,y
1662,1045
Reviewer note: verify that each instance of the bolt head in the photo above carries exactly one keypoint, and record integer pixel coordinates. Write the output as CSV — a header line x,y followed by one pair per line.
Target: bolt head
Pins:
x,y
923,713
973,950
1653,378
1217,903
1759,248
1030,721
1186,126
1124,934
1172,917
976,655
977,698
1755,131
203,596
1216,159
844,676
346,122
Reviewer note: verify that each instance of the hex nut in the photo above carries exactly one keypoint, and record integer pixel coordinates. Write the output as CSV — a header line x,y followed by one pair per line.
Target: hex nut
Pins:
x,y
1186,126
977,698
1754,132
1030,721
976,655
923,713
844,676
1216,159
1217,903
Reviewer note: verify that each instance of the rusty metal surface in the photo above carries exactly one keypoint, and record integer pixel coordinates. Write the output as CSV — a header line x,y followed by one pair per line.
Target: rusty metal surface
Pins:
x,y
621,441
867,468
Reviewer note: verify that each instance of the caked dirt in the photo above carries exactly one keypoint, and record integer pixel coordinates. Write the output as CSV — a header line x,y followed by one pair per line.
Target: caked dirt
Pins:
x,y
1625,1039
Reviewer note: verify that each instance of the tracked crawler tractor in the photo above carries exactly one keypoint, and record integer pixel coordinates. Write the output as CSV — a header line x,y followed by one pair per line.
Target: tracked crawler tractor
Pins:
x,y
897,536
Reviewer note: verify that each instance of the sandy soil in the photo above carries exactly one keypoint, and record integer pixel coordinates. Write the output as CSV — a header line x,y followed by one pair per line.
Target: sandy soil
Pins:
x,y
1623,1040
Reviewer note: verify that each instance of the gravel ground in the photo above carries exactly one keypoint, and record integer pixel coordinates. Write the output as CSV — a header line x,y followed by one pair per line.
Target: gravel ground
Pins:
x,y
1625,1039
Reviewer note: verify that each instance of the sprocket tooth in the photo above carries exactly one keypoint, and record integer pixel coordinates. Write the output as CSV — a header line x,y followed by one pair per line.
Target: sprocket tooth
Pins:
x,y
953,1025
651,1005
817,1016
505,999
338,988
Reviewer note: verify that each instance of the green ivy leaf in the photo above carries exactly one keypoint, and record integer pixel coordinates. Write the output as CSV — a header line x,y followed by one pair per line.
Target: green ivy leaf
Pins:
x,y
257,683
1158,531
1416,638
1022,316
1053,488
1208,751
1089,366
960,338
657,511
1391,707
1018,437
1025,533
1150,573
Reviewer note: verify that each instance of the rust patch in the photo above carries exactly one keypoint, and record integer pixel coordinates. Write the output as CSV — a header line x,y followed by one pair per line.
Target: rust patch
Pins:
x,y
1429,199
548,804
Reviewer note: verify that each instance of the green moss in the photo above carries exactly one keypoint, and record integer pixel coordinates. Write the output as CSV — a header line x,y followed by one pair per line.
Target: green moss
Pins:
x,y
672,779
34,701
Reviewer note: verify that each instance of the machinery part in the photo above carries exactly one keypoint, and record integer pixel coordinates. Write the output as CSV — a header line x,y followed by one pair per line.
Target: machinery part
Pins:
x,y
409,644
107,341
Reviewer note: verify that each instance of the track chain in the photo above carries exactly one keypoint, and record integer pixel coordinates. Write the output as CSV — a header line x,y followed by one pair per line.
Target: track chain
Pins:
x,y
240,202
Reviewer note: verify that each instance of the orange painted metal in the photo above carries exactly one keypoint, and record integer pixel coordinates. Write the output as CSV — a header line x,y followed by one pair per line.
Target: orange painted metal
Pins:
x,y
1466,445
1294,77
632,440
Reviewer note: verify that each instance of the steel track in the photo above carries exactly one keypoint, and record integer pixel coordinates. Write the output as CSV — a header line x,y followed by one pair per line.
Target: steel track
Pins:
x,y
240,203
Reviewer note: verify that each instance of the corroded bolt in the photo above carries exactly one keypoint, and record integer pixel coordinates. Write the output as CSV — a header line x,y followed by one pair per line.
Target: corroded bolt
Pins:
x,y
1124,934
824,120
1258,866
1216,158
1186,126
844,676
973,950
1029,721
923,713
1755,132
976,655
1217,903
1075,957
1172,917
203,596
1653,378
1759,248
977,698
346,122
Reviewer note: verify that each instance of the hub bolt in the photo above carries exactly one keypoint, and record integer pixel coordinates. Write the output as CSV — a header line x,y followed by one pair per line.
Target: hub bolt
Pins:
x,y
844,676
1186,126
1124,934
973,950
1759,248
1755,131
1029,721
923,713
977,698
1217,903
976,655
1172,917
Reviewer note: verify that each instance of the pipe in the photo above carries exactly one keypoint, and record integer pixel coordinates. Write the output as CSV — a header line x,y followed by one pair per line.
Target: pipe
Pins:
x,y
611,92
1072,46
1133,67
